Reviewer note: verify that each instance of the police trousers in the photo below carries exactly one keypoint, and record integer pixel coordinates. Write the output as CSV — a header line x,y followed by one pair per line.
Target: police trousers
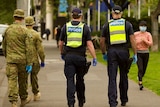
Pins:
x,y
17,80
74,72
117,57
34,78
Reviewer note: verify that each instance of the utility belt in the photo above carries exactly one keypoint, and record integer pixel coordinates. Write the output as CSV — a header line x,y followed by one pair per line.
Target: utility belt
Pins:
x,y
76,53
118,46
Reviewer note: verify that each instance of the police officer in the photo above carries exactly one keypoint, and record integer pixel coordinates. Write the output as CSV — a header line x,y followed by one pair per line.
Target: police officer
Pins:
x,y
38,53
116,34
18,53
75,36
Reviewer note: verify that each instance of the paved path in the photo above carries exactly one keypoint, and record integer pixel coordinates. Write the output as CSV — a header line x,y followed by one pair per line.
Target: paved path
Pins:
x,y
53,86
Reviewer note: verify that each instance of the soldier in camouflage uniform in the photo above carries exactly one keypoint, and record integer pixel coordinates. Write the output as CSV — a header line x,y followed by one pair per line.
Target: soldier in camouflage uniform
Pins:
x,y
38,53
18,53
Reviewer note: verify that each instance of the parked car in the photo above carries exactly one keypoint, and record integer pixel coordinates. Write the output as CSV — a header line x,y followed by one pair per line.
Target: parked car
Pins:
x,y
3,27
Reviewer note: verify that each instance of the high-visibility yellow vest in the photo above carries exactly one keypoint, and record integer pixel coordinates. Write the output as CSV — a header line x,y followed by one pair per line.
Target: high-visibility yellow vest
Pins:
x,y
117,31
74,35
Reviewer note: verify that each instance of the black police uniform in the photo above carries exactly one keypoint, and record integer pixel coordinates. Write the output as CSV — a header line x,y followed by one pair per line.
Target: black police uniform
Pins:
x,y
118,55
75,65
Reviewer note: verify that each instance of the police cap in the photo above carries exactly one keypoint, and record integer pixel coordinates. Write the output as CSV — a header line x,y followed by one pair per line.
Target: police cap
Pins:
x,y
18,13
77,11
117,9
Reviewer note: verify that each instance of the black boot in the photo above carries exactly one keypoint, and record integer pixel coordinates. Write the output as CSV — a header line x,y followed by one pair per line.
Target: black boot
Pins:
x,y
70,105
140,87
123,103
81,103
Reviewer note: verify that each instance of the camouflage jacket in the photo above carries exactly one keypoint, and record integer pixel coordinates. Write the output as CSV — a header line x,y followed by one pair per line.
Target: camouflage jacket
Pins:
x,y
16,44
38,49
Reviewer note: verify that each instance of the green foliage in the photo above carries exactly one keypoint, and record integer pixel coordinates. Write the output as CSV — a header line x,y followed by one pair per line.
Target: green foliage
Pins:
x,y
151,78
96,39
96,33
7,8
153,4
55,9
119,2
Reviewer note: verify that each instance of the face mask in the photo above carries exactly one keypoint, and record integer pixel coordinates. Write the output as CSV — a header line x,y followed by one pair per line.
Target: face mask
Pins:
x,y
142,28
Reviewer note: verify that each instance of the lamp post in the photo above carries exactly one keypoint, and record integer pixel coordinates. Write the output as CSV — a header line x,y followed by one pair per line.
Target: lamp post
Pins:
x,y
88,17
29,7
49,17
99,6
129,10
108,11
149,8
139,9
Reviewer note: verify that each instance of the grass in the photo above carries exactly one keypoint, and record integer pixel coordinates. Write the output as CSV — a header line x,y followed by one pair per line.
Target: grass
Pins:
x,y
151,79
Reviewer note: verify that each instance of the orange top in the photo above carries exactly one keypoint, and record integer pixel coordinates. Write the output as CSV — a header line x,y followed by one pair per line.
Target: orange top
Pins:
x,y
143,40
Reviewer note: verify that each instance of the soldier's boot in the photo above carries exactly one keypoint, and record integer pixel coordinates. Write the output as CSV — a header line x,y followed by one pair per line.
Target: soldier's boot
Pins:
x,y
14,104
37,96
24,102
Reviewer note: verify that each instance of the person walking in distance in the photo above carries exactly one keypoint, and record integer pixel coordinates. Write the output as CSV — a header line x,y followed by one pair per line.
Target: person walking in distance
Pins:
x,y
74,38
18,53
38,54
58,32
47,32
143,42
115,38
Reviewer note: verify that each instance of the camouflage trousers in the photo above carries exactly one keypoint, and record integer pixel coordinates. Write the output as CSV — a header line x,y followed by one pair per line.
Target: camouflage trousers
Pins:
x,y
17,80
34,78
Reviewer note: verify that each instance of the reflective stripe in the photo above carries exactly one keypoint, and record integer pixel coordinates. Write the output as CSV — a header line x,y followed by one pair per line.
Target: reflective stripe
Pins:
x,y
74,35
74,39
117,31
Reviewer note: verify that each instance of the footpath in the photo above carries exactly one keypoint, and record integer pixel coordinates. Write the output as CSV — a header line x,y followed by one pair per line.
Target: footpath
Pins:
x,y
52,84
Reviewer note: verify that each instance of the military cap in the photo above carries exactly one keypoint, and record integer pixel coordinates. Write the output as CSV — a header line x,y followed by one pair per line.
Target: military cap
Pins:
x,y
29,20
18,13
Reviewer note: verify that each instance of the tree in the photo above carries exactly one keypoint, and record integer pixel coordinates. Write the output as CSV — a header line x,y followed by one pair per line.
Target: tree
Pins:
x,y
7,8
154,19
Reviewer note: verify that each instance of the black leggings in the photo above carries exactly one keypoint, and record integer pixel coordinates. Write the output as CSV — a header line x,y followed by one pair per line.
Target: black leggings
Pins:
x,y
142,64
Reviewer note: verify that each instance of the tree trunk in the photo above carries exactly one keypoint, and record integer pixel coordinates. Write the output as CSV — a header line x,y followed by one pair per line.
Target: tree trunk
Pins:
x,y
154,19
94,16
154,33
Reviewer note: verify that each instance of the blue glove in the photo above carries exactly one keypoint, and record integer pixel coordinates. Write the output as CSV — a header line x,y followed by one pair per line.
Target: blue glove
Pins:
x,y
29,68
62,56
42,64
105,57
135,59
94,61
